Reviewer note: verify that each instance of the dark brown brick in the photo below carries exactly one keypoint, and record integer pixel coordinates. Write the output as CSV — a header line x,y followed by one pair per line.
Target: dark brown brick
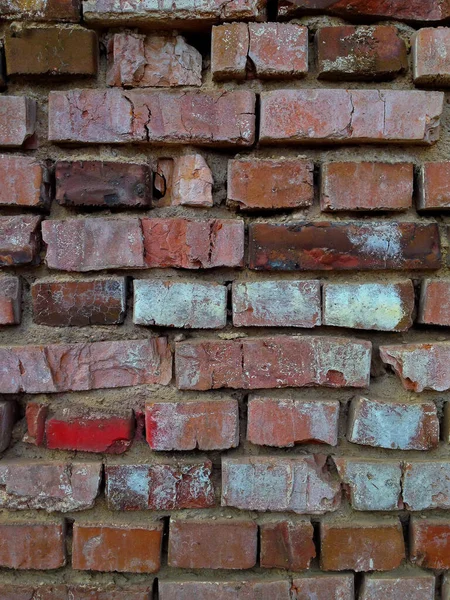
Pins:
x,y
77,302
327,246
54,50
104,184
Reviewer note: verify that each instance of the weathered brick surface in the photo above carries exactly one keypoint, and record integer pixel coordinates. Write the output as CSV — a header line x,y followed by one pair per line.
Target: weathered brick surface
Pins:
x,y
394,425
253,589
287,545
93,244
122,548
17,120
206,425
79,302
84,366
10,300
52,486
207,544
86,430
103,184
430,61
180,304
415,587
433,186
276,303
32,545
419,366
119,117
430,543
280,361
286,422
19,240
324,587
163,60
35,415
37,10
268,184
344,246
339,116
7,418
366,186
380,306
25,182
32,51
365,52
187,244
301,485
364,546
159,486
426,485
192,181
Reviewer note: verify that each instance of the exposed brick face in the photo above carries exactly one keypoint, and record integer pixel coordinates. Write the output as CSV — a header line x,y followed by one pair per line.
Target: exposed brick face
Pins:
x,y
224,300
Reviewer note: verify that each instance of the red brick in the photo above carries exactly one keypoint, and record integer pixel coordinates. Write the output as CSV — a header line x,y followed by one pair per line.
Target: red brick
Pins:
x,y
157,60
86,366
10,300
103,184
88,430
363,546
361,186
159,486
79,302
16,592
17,120
430,48
413,10
208,544
434,186
36,10
51,486
19,240
206,425
276,303
371,484
255,589
365,52
420,366
340,116
7,420
188,244
284,422
93,244
35,415
192,181
109,592
287,545
271,362
324,587
120,117
176,14
268,184
379,306
393,425
430,543
327,246
390,587
426,484
122,548
264,50
302,484
32,545
25,182
31,51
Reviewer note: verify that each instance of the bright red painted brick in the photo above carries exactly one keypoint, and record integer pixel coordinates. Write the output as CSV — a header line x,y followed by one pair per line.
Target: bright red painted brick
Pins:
x,y
366,186
114,116
32,545
208,544
123,548
187,244
206,425
339,116
287,545
20,240
272,362
90,430
285,422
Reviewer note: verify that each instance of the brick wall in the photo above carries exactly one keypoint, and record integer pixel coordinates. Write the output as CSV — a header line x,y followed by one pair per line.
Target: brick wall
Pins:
x,y
224,300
